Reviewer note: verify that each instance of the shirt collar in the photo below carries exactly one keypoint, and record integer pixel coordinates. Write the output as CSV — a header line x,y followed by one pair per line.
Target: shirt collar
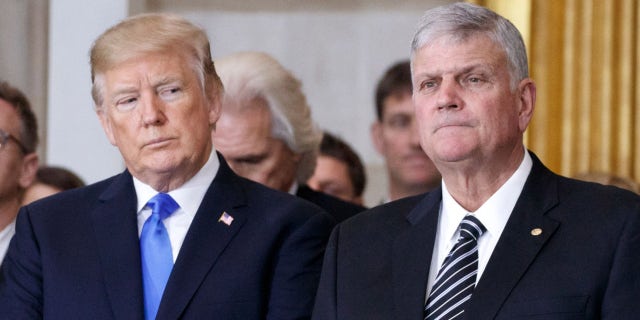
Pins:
x,y
495,212
186,194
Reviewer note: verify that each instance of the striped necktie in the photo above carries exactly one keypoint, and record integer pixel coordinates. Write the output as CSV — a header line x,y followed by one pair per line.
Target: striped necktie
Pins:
x,y
456,278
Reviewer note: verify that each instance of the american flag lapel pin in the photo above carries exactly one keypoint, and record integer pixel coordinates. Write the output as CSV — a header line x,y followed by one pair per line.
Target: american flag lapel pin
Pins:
x,y
225,218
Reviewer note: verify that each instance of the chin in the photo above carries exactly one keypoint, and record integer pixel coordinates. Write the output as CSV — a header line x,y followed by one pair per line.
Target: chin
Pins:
x,y
452,154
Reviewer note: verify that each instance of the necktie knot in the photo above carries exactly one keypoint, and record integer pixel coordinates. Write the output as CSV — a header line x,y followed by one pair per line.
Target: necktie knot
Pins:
x,y
471,228
162,205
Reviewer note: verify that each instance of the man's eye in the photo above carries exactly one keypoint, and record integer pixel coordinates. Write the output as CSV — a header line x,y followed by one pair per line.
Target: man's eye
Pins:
x,y
170,93
126,104
399,122
251,160
475,80
428,84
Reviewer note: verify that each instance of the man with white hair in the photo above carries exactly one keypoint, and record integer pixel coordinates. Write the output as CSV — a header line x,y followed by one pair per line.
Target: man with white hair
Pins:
x,y
266,132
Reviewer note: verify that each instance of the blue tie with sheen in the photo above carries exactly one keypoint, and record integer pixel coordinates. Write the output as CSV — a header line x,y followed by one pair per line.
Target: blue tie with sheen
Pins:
x,y
155,248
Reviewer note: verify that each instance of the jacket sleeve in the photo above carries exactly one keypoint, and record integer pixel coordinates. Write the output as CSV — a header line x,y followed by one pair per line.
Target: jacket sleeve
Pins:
x,y
21,274
326,304
622,295
297,271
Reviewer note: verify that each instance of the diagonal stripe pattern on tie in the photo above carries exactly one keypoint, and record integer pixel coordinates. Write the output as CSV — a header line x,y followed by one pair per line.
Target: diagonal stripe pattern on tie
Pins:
x,y
456,278
155,250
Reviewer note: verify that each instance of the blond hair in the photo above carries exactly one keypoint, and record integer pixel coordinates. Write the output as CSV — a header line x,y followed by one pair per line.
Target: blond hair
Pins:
x,y
153,33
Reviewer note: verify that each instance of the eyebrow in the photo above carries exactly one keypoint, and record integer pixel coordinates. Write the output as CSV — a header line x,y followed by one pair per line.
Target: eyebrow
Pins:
x,y
166,80
463,70
123,89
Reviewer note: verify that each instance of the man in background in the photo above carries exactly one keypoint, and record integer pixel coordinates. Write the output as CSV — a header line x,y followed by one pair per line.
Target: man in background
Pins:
x,y
339,171
51,180
266,132
18,158
177,235
395,136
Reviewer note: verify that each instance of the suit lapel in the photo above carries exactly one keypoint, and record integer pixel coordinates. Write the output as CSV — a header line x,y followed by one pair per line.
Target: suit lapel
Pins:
x,y
518,246
116,233
412,253
205,241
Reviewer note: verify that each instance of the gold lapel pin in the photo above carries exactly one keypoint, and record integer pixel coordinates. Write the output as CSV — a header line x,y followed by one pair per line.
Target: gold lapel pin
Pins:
x,y
536,232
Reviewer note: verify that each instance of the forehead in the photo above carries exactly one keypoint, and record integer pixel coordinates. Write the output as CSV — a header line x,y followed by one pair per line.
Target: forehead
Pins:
x,y
332,166
398,103
9,119
241,126
450,54
150,67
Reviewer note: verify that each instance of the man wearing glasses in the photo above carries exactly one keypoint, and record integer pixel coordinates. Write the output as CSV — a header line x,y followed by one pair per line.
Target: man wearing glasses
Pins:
x,y
18,158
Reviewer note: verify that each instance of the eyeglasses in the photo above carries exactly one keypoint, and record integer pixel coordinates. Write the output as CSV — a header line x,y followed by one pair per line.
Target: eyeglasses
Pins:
x,y
5,137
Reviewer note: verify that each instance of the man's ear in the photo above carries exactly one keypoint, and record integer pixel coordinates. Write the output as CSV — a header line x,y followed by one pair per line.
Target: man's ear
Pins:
x,y
376,137
28,170
527,101
215,108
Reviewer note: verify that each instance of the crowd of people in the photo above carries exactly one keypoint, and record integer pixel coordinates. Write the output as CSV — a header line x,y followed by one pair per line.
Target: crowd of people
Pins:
x,y
234,204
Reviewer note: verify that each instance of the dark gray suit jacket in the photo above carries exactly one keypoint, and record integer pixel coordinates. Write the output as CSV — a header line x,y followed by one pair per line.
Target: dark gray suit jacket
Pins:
x,y
584,265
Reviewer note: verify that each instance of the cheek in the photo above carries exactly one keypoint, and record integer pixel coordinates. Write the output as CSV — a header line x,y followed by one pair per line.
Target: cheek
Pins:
x,y
423,118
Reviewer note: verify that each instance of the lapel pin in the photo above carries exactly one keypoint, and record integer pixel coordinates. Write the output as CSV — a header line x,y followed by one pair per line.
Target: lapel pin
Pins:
x,y
536,232
225,218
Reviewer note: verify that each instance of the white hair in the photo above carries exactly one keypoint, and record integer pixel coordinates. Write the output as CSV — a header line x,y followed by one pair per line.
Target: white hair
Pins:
x,y
250,75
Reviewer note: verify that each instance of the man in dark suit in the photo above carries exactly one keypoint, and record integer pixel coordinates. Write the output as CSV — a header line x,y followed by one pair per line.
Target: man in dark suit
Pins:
x,y
503,237
177,235
266,131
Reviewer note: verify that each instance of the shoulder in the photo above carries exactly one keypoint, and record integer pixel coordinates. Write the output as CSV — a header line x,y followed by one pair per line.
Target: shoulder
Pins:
x,y
273,206
384,220
575,197
603,203
80,199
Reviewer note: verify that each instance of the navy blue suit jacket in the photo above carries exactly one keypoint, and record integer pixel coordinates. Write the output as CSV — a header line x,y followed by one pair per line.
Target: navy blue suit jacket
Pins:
x,y
76,256
584,265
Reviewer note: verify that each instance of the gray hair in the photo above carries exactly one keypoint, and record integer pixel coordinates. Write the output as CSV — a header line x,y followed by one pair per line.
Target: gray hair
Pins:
x,y
463,20
250,75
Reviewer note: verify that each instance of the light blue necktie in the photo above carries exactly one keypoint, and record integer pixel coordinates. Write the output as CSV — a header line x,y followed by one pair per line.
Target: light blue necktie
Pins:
x,y
155,248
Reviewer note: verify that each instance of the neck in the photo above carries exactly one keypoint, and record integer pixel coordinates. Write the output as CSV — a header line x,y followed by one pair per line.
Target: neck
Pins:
x,y
173,179
472,185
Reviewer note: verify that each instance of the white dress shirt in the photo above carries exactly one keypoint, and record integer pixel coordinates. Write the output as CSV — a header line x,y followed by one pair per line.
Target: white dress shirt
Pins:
x,y
5,237
188,196
493,214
